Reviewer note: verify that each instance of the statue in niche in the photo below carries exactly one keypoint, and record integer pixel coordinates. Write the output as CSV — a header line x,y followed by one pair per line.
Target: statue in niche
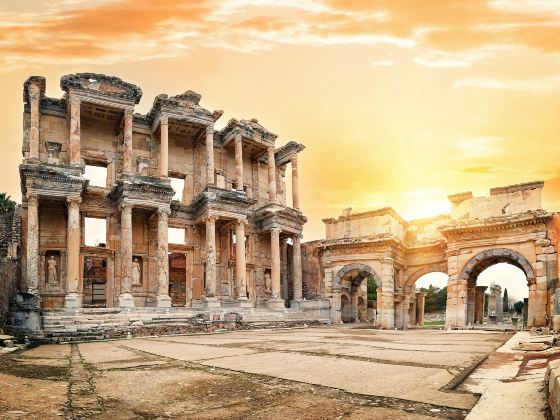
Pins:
x,y
52,276
136,272
268,284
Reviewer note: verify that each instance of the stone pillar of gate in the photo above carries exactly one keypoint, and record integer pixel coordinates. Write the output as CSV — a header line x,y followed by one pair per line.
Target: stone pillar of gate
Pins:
x,y
387,305
406,309
471,295
456,311
420,308
336,317
479,303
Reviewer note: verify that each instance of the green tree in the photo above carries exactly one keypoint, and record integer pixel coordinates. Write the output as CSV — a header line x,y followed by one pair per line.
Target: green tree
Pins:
x,y
371,289
6,203
442,299
505,304
518,306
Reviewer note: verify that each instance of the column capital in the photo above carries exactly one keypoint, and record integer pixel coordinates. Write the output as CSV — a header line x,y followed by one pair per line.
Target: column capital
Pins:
x,y
297,236
34,91
163,213
32,199
294,159
241,222
73,202
75,100
126,207
211,218
209,129
271,149
275,229
164,120
128,112
237,136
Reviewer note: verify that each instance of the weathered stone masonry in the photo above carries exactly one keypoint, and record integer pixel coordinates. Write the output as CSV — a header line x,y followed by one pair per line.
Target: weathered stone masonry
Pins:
x,y
233,211
508,226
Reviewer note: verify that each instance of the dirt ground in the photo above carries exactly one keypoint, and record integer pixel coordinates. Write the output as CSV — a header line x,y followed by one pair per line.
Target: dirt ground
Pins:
x,y
313,373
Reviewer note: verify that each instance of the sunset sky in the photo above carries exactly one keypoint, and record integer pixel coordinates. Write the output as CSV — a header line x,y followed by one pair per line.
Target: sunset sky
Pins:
x,y
399,102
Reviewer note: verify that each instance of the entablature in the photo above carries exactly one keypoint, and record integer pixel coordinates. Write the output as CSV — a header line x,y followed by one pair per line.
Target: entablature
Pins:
x,y
51,180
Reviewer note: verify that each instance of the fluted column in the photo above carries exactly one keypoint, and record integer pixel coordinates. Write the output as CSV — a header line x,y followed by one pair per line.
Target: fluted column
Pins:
x,y
164,147
75,132
239,161
275,261
210,177
125,298
297,269
295,182
163,299
32,243
127,142
240,260
73,298
271,175
34,97
211,256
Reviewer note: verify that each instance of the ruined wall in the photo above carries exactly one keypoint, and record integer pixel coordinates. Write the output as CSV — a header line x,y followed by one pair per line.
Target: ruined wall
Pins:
x,y
10,231
312,270
378,222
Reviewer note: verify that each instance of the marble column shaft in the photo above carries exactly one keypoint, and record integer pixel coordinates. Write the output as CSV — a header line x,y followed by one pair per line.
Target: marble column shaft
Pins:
x,y
163,298
75,132
34,97
188,190
240,260
295,182
275,261
164,148
297,268
73,240
32,243
284,269
210,257
239,162
126,249
127,142
210,176
271,175
420,308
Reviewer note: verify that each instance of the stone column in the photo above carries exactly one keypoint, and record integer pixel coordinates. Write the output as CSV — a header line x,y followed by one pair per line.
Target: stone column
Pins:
x,y
163,299
271,175
34,92
421,303
406,309
210,257
276,302
240,260
479,303
75,133
127,143
164,148
210,176
284,270
125,298
295,183
239,161
73,298
32,243
471,303
297,269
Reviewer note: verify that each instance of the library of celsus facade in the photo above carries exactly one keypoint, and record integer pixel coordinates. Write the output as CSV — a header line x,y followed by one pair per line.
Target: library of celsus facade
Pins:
x,y
240,235
509,226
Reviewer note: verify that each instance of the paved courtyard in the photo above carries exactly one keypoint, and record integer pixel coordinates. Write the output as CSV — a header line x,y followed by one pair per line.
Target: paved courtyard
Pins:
x,y
329,372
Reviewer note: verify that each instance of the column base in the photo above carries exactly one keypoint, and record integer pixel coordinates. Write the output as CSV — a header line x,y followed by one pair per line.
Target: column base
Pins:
x,y
244,302
276,304
296,304
126,300
163,301
72,301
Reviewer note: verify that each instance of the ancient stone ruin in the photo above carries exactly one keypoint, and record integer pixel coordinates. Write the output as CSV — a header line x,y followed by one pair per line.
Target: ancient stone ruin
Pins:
x,y
238,249
509,226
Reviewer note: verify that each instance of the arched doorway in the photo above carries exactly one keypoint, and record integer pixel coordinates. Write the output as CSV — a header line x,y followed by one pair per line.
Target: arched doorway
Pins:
x,y
355,287
430,290
465,302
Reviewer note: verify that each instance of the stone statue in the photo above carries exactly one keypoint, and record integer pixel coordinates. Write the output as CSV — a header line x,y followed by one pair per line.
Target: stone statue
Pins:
x,y
52,276
136,272
268,284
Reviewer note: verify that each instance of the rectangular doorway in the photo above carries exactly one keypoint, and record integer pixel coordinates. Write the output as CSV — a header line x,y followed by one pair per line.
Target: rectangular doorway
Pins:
x,y
95,282
178,278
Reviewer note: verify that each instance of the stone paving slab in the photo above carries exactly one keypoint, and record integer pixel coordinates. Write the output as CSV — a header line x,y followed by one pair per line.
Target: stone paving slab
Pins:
x,y
406,382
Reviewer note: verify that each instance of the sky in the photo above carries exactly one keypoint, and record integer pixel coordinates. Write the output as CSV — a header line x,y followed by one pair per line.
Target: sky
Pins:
x,y
399,102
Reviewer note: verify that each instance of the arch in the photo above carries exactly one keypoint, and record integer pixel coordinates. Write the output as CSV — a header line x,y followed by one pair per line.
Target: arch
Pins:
x,y
363,272
485,259
433,268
